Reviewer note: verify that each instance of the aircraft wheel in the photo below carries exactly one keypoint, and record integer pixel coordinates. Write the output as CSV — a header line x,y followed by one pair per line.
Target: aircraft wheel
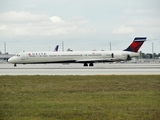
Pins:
x,y
85,64
15,65
91,64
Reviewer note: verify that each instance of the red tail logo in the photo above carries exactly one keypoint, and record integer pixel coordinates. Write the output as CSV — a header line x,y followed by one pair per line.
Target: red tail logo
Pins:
x,y
136,44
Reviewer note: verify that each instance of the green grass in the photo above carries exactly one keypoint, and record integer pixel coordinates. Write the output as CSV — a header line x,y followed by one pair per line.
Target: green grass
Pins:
x,y
130,97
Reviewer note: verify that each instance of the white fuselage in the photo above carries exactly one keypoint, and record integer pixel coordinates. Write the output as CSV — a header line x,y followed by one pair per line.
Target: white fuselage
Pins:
x,y
70,57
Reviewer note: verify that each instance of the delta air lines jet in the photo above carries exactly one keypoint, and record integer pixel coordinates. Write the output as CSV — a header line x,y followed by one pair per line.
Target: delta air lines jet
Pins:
x,y
85,57
56,48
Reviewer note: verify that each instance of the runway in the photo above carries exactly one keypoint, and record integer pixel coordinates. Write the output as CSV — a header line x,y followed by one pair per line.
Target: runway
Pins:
x,y
78,69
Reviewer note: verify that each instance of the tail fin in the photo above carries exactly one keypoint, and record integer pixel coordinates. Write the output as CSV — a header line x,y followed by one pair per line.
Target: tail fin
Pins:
x,y
136,44
56,48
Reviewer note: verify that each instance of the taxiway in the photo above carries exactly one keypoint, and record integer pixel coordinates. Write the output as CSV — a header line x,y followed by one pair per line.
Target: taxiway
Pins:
x,y
78,69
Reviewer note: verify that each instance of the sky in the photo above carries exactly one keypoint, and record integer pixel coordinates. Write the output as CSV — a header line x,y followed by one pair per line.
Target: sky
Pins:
x,y
81,25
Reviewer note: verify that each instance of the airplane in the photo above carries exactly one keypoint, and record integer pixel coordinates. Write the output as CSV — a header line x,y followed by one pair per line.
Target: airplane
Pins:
x,y
88,58
56,48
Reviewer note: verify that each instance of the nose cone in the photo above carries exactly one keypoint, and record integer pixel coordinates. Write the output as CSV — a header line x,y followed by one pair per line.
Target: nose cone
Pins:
x,y
11,60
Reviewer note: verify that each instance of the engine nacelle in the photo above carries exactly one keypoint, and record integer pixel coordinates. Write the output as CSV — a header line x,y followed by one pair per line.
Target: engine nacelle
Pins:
x,y
118,56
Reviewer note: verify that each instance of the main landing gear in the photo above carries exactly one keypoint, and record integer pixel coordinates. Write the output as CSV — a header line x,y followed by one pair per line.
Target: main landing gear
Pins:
x,y
90,64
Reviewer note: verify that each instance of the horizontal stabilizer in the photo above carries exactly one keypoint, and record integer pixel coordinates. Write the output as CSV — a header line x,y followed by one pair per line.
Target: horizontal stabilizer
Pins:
x,y
140,39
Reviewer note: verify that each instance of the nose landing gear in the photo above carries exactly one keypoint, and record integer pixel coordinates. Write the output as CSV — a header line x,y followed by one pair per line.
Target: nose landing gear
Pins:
x,y
15,65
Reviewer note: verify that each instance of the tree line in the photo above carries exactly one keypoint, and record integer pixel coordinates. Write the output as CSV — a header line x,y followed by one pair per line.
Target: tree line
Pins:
x,y
149,55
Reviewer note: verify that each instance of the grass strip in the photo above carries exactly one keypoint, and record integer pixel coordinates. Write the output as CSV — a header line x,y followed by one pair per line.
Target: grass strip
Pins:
x,y
97,97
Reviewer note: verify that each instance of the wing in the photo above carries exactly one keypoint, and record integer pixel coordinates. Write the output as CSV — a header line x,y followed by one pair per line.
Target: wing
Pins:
x,y
88,60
